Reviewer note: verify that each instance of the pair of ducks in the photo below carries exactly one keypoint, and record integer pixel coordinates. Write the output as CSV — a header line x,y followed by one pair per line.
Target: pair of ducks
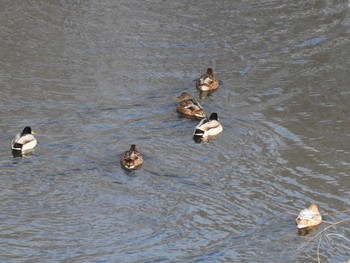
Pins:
x,y
24,142
188,106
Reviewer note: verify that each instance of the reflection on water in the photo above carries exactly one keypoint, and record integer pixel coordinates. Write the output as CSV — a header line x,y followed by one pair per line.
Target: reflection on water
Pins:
x,y
16,154
306,230
94,77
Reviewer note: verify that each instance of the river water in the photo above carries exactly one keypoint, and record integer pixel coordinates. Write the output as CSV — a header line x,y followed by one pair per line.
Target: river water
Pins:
x,y
92,77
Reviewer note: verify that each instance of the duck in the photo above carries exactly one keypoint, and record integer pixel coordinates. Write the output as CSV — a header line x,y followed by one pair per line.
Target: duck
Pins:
x,y
132,158
309,217
208,81
189,106
206,128
24,141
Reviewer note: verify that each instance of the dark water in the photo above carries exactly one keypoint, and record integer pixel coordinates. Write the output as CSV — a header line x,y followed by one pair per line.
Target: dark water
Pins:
x,y
92,77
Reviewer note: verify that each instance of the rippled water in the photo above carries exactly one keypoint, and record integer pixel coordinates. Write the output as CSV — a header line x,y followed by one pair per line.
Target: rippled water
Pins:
x,y
92,77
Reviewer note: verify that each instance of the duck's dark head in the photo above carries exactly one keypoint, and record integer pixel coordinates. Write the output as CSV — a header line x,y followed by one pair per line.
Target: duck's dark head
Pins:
x,y
133,147
210,72
214,116
26,130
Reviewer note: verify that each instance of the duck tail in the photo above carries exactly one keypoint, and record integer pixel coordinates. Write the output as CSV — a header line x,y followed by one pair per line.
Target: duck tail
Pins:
x,y
198,132
198,135
17,147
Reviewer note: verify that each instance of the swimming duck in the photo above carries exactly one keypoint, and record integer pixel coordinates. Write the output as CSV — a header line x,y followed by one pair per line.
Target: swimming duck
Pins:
x,y
189,106
208,81
132,158
24,141
207,128
309,217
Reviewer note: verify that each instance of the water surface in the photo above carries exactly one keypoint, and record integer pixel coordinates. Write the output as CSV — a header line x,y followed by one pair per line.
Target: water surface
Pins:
x,y
93,77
